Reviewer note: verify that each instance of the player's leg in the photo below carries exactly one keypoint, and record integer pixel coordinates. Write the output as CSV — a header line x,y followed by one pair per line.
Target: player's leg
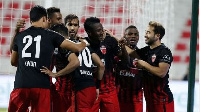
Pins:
x,y
19,100
85,99
110,102
131,107
40,100
96,106
166,107
59,103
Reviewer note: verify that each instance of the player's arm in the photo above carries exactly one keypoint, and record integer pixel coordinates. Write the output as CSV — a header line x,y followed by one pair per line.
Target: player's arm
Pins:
x,y
14,58
100,66
100,71
159,71
20,24
73,64
74,47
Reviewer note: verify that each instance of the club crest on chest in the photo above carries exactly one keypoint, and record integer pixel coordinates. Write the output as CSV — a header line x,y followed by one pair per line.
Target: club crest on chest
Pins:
x,y
153,57
103,49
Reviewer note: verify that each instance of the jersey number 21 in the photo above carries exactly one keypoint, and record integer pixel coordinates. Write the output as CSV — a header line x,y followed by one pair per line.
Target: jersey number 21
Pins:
x,y
29,40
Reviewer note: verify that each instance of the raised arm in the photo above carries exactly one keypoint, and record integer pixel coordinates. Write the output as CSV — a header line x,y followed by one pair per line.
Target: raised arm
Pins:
x,y
20,24
74,47
73,64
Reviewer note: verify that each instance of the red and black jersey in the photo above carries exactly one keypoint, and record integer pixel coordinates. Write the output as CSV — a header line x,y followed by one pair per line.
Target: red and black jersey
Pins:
x,y
156,89
129,83
63,83
107,50
35,47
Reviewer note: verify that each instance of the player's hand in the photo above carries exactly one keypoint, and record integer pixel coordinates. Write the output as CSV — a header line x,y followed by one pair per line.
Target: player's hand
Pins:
x,y
79,37
140,63
20,24
97,90
122,42
108,32
48,72
85,41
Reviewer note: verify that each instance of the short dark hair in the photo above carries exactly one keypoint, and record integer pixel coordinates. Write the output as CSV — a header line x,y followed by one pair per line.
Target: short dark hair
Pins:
x,y
60,28
70,17
37,12
89,22
158,28
51,11
131,26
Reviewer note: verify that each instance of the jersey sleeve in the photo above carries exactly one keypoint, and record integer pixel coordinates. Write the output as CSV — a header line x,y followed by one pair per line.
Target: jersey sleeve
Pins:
x,y
57,39
166,56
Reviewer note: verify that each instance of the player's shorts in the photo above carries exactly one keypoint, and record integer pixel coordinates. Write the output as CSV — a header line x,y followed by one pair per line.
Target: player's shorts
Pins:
x,y
167,107
130,102
131,107
83,100
37,98
60,101
108,101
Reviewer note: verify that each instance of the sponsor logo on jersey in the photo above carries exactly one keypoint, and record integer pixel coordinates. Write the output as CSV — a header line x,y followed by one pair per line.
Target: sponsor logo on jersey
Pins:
x,y
126,73
103,49
153,58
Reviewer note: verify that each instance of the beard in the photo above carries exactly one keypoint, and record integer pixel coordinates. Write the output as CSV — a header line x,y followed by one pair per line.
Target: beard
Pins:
x,y
150,41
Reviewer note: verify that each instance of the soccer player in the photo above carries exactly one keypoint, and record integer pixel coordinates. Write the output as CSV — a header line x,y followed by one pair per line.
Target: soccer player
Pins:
x,y
54,16
128,79
106,48
63,59
33,49
156,59
85,93
72,23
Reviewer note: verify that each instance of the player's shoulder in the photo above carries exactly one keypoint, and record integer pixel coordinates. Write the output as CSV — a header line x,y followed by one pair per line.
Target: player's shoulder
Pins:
x,y
110,40
108,37
163,47
144,48
165,50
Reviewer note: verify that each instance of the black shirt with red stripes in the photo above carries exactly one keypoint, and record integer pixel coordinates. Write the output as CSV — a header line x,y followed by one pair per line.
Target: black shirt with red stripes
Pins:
x,y
35,47
156,89
129,83
107,50
63,83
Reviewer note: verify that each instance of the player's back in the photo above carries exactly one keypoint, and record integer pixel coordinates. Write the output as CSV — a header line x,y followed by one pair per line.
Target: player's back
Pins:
x,y
35,47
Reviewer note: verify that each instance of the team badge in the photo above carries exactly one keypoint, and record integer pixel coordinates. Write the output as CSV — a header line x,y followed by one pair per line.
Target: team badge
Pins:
x,y
103,49
153,58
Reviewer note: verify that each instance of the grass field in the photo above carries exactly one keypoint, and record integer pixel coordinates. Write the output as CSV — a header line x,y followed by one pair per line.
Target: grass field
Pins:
x,y
3,110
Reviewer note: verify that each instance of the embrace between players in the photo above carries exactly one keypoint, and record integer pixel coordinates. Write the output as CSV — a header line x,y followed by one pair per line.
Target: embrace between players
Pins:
x,y
95,73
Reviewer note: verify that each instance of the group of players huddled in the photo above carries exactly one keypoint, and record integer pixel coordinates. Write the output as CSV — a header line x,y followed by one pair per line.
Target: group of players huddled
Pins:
x,y
96,73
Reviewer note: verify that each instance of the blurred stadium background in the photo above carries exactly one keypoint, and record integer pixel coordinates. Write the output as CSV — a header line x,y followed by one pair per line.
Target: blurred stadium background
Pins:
x,y
116,15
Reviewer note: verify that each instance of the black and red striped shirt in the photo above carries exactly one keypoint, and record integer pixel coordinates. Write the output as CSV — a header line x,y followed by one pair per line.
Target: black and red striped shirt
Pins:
x,y
107,50
129,83
156,89
63,83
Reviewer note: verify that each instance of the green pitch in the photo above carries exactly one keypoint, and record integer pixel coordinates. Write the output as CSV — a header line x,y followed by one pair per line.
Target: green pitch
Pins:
x,y
3,110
